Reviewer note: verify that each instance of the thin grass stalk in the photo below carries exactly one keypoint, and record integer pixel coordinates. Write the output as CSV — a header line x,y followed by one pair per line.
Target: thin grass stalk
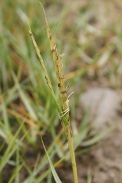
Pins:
x,y
65,122
64,115
63,96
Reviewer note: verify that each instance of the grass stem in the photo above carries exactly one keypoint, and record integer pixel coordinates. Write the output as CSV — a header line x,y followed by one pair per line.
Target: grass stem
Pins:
x,y
64,112
63,96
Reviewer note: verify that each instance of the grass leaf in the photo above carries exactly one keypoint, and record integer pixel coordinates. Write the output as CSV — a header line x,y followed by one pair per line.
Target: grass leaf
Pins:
x,y
55,175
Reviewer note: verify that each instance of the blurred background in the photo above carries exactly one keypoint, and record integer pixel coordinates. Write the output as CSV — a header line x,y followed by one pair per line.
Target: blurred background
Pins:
x,y
89,32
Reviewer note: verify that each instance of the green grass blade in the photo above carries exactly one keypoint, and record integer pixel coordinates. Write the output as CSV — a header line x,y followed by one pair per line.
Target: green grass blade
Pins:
x,y
55,175
98,137
12,147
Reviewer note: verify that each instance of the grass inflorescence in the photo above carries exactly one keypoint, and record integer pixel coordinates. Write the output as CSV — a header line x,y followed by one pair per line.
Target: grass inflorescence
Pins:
x,y
64,114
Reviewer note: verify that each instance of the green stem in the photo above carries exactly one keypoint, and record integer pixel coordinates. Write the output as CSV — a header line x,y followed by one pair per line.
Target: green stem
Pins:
x,y
63,97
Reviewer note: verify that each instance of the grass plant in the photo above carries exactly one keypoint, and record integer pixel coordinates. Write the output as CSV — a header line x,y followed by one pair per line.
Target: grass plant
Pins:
x,y
28,106
64,110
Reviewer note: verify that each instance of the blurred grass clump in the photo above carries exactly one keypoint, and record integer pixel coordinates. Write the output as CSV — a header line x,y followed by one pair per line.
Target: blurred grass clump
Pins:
x,y
93,47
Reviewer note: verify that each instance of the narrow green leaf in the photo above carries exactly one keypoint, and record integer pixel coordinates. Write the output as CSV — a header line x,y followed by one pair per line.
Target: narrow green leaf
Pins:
x,y
55,175
98,137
